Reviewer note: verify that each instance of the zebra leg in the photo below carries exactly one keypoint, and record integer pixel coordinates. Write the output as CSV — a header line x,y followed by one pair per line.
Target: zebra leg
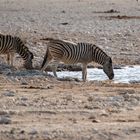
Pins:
x,y
45,66
84,72
54,66
46,63
8,58
12,57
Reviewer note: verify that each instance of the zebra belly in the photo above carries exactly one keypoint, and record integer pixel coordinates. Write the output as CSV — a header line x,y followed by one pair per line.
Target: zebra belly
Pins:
x,y
66,61
85,59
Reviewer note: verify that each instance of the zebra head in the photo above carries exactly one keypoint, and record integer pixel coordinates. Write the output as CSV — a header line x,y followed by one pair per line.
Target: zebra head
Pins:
x,y
108,69
28,61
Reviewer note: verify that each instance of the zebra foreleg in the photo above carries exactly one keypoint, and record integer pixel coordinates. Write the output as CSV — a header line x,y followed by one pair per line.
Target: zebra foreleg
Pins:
x,y
8,58
54,66
12,57
84,72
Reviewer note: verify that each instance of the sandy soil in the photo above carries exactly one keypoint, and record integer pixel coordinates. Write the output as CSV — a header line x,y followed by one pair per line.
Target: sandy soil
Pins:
x,y
36,106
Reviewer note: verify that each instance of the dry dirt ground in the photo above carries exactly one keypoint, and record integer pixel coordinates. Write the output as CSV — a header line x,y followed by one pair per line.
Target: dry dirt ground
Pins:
x,y
36,106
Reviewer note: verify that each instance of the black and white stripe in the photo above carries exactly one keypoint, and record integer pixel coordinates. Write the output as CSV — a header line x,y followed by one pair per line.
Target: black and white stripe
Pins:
x,y
71,53
10,45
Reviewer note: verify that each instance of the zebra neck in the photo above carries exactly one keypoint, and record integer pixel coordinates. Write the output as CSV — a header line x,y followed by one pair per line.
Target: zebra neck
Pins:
x,y
100,62
22,51
99,56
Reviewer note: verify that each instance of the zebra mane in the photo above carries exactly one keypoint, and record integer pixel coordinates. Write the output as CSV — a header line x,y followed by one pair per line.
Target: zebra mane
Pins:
x,y
1,35
96,51
22,48
21,43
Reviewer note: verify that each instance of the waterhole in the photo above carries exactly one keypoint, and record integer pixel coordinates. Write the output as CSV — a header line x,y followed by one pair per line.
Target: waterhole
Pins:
x,y
127,74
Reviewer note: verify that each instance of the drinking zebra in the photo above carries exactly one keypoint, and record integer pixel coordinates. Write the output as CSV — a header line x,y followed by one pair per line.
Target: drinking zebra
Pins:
x,y
71,53
12,44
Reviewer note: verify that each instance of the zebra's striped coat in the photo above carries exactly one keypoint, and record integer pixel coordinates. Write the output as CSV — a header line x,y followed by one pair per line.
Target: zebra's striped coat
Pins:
x,y
10,45
71,53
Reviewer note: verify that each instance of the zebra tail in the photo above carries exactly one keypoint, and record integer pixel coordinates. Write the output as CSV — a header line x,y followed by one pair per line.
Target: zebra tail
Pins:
x,y
45,59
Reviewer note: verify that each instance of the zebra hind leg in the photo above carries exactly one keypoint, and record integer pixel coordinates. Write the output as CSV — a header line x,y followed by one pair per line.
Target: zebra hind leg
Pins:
x,y
44,67
84,72
46,63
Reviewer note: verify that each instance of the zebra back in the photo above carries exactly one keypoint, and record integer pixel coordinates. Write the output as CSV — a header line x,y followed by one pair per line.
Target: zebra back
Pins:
x,y
98,55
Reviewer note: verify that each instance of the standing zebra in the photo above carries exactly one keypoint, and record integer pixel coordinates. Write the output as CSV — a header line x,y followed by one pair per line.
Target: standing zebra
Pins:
x,y
10,45
71,53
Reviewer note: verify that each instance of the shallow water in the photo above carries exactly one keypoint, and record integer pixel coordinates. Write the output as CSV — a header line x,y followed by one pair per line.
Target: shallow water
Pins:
x,y
124,75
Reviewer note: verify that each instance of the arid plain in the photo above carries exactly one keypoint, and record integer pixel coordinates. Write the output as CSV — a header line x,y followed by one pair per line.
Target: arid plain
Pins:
x,y
40,107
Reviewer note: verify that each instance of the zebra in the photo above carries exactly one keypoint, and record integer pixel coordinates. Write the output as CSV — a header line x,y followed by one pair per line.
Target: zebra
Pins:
x,y
71,53
12,44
